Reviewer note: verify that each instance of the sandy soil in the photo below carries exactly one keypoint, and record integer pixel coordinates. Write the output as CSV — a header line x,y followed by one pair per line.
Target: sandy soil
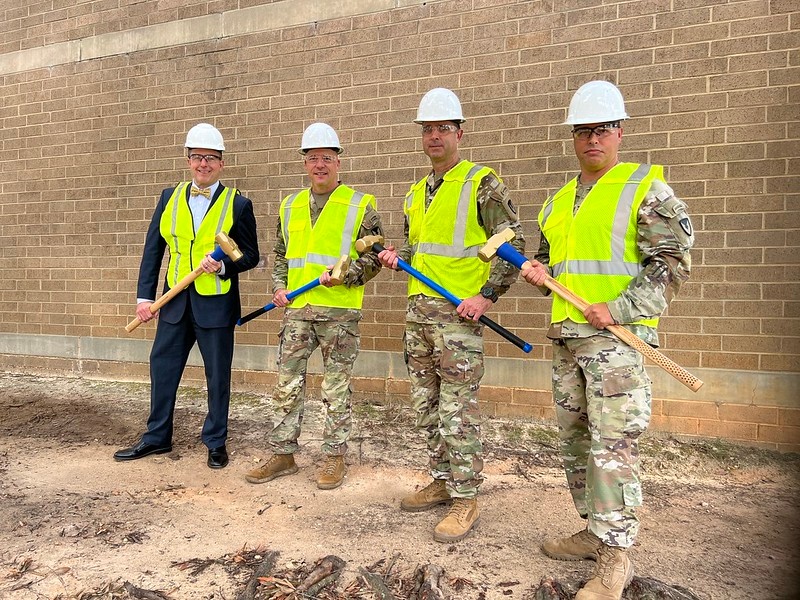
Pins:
x,y
719,520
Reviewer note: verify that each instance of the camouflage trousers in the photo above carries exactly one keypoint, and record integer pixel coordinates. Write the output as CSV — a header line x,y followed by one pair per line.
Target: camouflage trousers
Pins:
x,y
445,365
339,343
602,402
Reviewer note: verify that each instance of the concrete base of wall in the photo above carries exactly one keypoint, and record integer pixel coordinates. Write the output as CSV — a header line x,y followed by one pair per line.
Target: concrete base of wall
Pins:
x,y
752,407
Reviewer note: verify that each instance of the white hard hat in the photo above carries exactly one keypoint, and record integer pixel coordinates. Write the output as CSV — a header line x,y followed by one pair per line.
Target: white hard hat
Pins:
x,y
320,135
439,104
204,135
596,102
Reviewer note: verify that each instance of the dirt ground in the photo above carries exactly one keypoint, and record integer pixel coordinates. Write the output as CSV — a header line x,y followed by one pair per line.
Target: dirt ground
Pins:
x,y
720,520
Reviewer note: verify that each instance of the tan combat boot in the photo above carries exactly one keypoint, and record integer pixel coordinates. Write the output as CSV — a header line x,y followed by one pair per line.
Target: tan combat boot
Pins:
x,y
456,525
612,574
332,474
580,546
431,495
277,466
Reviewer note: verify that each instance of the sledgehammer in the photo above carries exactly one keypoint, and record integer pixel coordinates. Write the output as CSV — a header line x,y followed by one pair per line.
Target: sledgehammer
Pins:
x,y
376,243
225,245
337,276
498,246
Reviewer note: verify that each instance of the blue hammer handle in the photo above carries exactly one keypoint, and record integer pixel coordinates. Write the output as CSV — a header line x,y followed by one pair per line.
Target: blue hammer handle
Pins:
x,y
494,326
268,307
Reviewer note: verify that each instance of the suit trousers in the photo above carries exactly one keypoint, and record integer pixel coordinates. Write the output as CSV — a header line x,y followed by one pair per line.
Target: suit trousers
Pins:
x,y
168,358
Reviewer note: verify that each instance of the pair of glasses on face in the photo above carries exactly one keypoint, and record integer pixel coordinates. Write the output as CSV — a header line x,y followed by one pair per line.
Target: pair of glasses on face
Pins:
x,y
443,128
324,158
211,159
601,131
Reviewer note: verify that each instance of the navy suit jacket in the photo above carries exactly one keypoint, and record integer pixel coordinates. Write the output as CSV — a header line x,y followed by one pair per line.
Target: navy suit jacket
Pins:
x,y
208,311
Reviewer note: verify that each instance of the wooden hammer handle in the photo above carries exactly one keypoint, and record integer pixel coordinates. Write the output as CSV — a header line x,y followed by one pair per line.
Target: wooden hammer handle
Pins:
x,y
174,291
627,336
227,246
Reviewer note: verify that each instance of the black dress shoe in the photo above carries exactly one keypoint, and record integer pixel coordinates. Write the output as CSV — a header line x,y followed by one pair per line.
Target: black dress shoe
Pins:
x,y
218,457
140,450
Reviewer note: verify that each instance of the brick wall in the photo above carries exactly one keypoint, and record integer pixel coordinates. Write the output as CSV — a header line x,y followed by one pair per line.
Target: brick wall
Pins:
x,y
93,123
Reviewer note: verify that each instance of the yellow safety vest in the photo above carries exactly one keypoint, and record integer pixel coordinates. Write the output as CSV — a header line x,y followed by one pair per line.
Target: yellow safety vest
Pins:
x,y
187,247
594,252
312,249
447,236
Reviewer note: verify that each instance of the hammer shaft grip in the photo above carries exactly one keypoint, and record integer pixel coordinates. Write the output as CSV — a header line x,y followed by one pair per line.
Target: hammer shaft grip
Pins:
x,y
493,325
509,253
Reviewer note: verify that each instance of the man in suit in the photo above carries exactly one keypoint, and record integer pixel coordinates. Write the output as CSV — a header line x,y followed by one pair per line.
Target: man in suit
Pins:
x,y
186,220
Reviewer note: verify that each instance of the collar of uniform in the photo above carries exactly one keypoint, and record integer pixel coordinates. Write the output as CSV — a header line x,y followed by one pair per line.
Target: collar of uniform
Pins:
x,y
434,181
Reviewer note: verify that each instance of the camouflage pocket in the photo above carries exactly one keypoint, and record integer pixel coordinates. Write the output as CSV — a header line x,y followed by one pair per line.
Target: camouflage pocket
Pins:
x,y
621,380
348,341
632,493
281,335
462,356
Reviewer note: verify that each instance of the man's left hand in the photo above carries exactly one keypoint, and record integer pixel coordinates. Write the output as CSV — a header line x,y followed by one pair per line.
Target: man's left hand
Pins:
x,y
598,315
474,307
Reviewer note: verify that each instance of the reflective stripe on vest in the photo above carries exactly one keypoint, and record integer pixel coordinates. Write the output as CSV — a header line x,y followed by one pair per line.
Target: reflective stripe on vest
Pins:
x,y
447,236
594,251
187,247
312,249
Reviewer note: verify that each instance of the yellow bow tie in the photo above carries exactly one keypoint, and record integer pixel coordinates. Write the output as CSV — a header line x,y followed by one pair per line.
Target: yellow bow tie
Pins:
x,y
195,191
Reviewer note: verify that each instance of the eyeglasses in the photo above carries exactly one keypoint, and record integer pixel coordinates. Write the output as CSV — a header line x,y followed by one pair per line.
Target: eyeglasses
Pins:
x,y
601,131
211,159
326,158
442,128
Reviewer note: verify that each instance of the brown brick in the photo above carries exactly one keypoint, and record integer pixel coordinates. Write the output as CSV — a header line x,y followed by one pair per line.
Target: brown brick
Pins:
x,y
728,430
760,25
731,152
700,410
777,362
750,308
750,414
780,435
740,10
750,239
679,425
789,417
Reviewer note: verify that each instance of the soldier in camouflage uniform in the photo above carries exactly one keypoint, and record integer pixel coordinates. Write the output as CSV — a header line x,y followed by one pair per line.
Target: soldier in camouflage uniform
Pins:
x,y
449,216
617,236
317,226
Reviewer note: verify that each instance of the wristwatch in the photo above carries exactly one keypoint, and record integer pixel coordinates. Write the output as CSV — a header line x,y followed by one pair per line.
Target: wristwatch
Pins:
x,y
487,291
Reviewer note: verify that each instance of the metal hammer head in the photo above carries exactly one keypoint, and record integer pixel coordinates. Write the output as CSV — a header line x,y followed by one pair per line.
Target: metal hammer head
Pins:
x,y
365,243
339,270
228,246
489,250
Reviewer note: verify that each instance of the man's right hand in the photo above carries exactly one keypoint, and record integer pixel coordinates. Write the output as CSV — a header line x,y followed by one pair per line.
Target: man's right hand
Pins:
x,y
279,298
536,273
388,257
143,311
